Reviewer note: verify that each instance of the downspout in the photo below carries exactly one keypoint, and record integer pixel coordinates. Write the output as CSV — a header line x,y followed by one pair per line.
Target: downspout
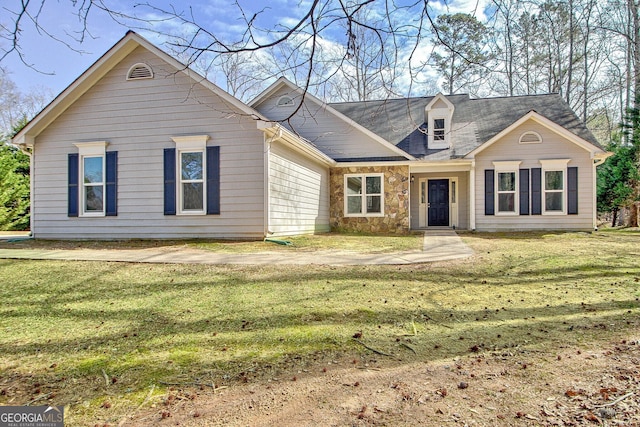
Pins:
x,y
267,181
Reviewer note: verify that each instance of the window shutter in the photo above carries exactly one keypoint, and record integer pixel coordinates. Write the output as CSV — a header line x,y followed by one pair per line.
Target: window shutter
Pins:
x,y
111,184
572,184
489,192
524,191
213,180
73,176
536,191
169,181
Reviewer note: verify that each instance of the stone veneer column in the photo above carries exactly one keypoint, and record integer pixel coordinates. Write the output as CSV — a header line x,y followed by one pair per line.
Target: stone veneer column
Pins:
x,y
396,201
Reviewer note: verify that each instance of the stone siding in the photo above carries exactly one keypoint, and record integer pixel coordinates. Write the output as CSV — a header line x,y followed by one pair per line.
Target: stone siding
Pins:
x,y
396,201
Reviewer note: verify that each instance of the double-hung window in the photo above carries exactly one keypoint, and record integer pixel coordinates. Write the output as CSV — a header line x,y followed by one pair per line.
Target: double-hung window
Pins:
x,y
438,129
91,167
506,187
92,185
192,183
191,166
554,184
363,195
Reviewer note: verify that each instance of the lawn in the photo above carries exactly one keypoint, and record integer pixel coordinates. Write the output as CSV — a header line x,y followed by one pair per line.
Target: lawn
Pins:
x,y
83,333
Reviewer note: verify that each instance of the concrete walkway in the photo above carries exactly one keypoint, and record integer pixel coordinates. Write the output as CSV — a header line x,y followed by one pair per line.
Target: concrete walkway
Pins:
x,y
439,245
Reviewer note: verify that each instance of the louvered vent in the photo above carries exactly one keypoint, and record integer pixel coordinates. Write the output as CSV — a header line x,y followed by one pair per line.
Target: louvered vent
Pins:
x,y
139,71
530,138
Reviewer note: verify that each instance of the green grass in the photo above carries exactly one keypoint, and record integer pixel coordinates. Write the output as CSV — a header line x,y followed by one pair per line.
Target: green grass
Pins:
x,y
361,243
72,328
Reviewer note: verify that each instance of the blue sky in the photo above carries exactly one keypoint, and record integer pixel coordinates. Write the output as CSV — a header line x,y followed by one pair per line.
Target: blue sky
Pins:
x,y
58,65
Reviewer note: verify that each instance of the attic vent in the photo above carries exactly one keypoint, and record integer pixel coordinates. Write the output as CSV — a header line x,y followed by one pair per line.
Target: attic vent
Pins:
x,y
530,138
285,101
139,71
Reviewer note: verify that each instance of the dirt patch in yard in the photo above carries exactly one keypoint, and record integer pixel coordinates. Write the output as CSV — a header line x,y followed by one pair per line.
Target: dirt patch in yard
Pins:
x,y
570,387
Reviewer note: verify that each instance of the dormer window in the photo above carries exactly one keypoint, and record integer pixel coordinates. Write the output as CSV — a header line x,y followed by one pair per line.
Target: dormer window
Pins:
x,y
139,71
438,129
438,115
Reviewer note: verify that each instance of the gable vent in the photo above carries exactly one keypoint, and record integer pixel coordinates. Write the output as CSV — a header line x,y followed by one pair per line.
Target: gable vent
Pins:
x,y
139,71
530,137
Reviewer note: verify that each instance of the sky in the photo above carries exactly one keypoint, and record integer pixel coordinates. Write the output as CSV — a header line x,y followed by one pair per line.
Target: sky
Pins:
x,y
54,64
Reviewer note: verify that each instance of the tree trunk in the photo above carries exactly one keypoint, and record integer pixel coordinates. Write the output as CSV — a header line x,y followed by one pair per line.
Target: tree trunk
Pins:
x,y
614,217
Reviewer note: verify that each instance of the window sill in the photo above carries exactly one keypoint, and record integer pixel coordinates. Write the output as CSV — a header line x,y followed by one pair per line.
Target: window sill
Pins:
x,y
364,215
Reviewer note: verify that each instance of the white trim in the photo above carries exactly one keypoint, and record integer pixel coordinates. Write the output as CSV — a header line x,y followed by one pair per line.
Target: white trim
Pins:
x,y
282,81
472,194
507,167
190,144
363,195
554,165
532,115
277,132
86,150
100,68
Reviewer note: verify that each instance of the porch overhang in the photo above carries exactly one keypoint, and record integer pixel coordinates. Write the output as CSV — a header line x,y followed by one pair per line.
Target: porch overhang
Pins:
x,y
463,165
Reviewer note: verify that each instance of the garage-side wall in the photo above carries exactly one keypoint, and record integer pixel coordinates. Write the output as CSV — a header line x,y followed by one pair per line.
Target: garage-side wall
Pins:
x,y
298,193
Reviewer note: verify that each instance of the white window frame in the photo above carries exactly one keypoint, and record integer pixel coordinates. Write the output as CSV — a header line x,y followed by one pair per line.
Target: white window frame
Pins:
x,y
363,195
190,144
507,167
86,150
443,129
554,165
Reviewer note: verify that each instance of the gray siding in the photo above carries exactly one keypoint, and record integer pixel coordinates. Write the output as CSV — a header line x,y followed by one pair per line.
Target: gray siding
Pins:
x,y
332,135
138,119
299,193
553,147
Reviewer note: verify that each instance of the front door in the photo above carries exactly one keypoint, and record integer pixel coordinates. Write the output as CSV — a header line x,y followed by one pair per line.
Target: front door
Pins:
x,y
438,207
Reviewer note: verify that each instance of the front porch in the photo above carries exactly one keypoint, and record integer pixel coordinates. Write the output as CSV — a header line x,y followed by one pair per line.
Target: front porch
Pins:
x,y
440,199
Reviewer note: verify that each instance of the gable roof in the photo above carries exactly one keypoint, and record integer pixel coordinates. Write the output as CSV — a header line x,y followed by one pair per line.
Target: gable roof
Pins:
x,y
99,69
284,82
474,122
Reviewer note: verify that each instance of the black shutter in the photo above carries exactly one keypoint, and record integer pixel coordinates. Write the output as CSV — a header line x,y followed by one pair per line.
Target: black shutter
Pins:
x,y
524,191
536,191
72,169
169,181
572,184
213,180
112,184
489,192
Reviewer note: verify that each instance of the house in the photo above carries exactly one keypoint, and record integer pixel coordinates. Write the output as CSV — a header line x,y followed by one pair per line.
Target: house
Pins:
x,y
139,146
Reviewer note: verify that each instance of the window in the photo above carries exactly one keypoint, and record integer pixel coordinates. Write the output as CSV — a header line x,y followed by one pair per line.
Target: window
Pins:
x,y
92,180
553,186
363,195
506,187
438,129
506,192
553,191
191,179
192,182
92,185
